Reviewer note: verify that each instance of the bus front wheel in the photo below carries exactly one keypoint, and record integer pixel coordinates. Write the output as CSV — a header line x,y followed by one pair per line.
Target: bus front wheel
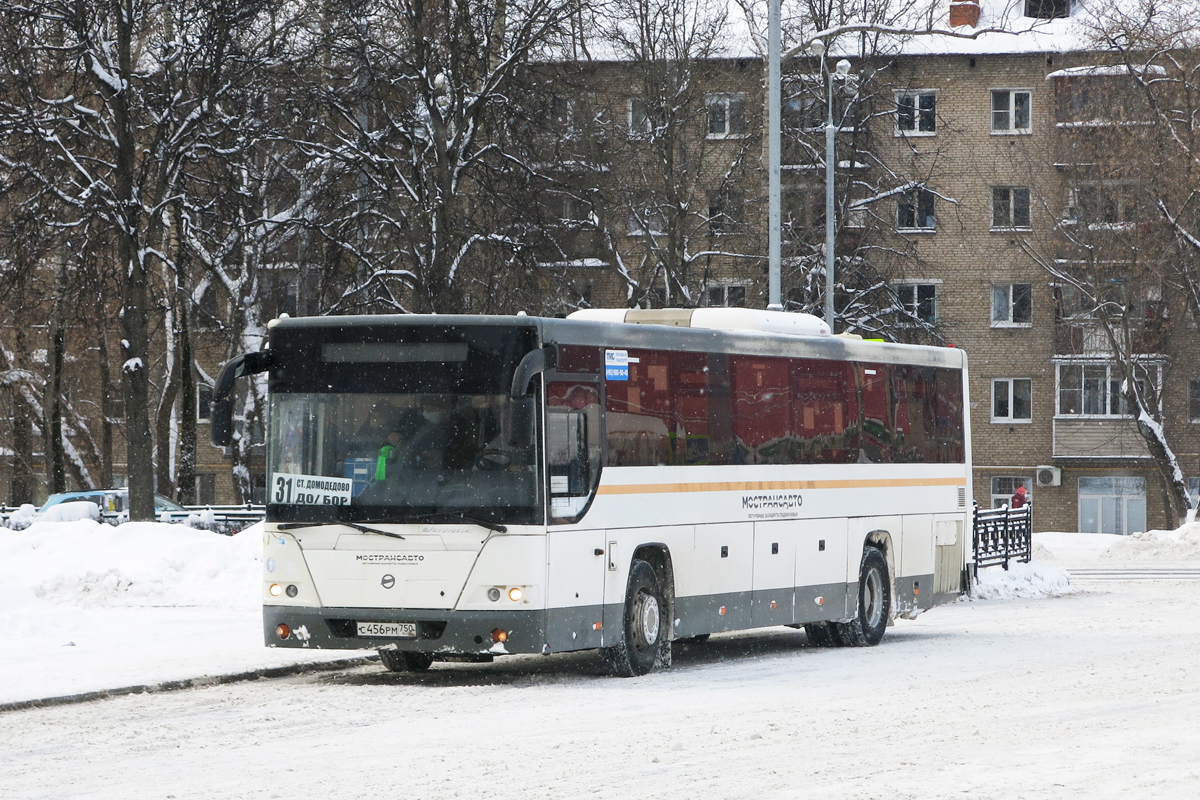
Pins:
x,y
401,661
645,624
867,627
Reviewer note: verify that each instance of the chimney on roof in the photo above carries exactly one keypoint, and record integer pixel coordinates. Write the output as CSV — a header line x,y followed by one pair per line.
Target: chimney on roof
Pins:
x,y
964,12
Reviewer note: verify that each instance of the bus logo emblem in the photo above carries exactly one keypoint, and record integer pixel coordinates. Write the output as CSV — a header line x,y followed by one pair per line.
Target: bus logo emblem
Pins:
x,y
388,581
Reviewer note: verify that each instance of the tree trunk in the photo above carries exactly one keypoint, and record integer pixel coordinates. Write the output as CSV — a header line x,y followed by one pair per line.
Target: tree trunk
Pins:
x,y
186,471
52,403
24,478
139,449
24,482
107,394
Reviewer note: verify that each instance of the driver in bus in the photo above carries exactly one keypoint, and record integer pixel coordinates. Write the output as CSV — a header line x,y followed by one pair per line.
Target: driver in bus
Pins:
x,y
447,440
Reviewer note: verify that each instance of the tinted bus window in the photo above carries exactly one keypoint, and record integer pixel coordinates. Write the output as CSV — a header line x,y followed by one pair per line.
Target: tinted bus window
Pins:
x,y
689,376
825,409
949,417
640,419
876,441
762,410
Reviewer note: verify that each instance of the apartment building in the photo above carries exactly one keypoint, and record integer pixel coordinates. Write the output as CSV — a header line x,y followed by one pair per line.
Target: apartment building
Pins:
x,y
988,182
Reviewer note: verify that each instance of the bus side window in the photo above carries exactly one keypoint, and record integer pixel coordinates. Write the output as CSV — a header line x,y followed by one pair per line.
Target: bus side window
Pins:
x,y
572,447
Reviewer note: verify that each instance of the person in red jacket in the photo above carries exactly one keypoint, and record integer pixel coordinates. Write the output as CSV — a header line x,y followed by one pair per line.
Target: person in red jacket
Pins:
x,y
1018,499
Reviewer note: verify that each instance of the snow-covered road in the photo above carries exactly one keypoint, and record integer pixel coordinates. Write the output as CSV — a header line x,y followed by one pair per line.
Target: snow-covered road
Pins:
x,y
1090,695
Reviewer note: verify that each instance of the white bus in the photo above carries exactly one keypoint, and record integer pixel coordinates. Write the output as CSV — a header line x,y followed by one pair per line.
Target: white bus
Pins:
x,y
455,487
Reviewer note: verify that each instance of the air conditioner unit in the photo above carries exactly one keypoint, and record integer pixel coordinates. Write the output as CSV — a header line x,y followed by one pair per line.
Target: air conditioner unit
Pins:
x,y
1049,476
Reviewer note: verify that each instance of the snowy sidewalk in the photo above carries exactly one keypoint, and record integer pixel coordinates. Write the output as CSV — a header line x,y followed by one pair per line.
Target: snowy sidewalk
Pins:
x,y
87,607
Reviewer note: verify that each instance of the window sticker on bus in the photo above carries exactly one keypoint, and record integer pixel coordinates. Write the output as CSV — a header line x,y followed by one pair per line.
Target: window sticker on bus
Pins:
x,y
310,490
616,365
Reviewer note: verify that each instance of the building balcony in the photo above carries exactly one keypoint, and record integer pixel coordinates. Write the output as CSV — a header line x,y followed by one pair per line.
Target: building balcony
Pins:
x,y
1089,339
1114,437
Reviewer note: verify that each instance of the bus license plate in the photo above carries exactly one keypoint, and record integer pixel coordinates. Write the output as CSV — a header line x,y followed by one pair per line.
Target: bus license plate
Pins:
x,y
396,630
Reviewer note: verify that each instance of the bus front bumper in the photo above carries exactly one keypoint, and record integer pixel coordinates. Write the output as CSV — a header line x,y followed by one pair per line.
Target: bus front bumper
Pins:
x,y
437,631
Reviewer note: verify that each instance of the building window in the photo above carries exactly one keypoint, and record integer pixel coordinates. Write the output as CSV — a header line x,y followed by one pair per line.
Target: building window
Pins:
x,y
1003,488
1010,110
919,300
1012,304
206,488
1047,9
730,296
1112,505
204,396
646,220
915,211
1094,390
725,212
639,118
1193,400
726,115
916,113
1102,205
566,210
1012,400
1010,207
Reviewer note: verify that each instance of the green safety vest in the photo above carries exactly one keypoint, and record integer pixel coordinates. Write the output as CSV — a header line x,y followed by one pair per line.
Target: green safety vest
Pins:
x,y
385,453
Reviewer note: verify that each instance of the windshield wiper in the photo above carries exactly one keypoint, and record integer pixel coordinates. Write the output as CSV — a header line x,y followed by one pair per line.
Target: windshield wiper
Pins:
x,y
455,515
291,526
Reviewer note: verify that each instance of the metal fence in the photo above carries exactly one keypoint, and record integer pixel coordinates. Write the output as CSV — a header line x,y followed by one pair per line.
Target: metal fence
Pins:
x,y
1002,535
227,519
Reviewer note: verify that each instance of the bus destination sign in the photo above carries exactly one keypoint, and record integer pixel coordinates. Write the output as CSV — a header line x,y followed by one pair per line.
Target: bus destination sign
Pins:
x,y
310,490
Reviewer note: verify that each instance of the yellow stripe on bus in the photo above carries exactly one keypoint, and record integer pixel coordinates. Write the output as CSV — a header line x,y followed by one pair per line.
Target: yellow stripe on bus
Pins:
x,y
761,486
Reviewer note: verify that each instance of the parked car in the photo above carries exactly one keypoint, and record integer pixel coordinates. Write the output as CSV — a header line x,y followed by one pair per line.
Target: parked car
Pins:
x,y
114,504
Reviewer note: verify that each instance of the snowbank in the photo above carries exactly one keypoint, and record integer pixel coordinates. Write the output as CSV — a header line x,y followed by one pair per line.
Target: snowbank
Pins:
x,y
86,564
1181,544
1021,580
1072,548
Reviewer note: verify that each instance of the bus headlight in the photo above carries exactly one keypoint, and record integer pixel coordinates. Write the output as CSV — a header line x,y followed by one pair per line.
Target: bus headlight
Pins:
x,y
493,594
275,590
515,593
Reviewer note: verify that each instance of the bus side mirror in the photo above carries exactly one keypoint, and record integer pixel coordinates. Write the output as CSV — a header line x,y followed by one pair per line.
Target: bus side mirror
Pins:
x,y
521,434
220,422
221,409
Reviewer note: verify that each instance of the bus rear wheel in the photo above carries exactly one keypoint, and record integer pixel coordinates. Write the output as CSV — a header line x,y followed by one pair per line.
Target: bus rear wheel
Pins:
x,y
645,625
867,627
820,634
402,661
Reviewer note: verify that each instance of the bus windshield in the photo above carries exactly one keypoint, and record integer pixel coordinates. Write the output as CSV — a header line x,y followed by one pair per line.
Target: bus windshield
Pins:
x,y
392,457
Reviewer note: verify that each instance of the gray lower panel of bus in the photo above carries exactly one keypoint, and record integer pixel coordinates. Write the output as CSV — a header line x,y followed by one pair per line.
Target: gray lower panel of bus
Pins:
x,y
580,627
437,631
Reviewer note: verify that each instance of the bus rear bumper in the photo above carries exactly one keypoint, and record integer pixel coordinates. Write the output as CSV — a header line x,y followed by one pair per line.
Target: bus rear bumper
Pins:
x,y
437,631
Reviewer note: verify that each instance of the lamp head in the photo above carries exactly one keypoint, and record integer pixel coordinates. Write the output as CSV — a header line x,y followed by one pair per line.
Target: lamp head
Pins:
x,y
843,67
817,48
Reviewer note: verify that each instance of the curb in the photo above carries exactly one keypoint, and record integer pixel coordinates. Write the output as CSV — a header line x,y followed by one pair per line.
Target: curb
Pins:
x,y
190,683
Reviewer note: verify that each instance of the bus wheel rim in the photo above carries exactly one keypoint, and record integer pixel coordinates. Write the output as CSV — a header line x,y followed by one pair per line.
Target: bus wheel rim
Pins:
x,y
649,619
873,599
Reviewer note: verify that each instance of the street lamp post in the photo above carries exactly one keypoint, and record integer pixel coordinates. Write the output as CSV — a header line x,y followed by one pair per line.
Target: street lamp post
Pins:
x,y
774,233
817,48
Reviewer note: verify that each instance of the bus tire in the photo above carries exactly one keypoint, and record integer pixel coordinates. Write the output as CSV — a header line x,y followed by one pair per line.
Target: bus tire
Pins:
x,y
820,634
403,661
870,621
644,632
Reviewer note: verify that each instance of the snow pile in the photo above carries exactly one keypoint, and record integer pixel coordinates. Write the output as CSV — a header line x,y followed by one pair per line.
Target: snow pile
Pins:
x,y
1034,579
205,518
22,518
1181,544
71,511
85,564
